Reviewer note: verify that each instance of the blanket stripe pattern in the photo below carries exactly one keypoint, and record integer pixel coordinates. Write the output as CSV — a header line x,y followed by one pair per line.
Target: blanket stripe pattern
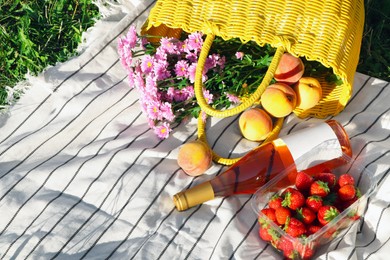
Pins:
x,y
83,177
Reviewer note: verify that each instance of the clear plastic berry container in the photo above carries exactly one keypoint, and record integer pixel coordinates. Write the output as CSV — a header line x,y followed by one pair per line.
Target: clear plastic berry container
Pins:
x,y
305,246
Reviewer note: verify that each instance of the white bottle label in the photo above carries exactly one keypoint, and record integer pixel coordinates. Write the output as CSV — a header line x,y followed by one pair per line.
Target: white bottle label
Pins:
x,y
313,145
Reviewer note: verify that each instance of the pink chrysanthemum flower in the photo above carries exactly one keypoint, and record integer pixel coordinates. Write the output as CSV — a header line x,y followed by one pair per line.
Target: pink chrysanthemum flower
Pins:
x,y
208,96
166,111
239,55
195,41
161,54
125,53
153,110
168,45
151,123
189,90
147,64
181,68
181,46
161,71
131,78
151,85
221,62
192,57
233,98
177,96
170,94
132,37
211,61
180,95
192,72
139,82
162,131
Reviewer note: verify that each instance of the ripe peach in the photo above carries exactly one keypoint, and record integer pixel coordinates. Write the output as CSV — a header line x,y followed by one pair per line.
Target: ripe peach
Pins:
x,y
309,92
279,99
289,70
255,124
194,157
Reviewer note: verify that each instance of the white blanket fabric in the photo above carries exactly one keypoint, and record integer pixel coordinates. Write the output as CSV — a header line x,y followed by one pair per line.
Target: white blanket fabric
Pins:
x,y
82,175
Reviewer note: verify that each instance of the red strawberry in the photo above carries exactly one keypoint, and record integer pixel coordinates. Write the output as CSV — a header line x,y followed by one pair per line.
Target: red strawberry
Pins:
x,y
330,233
311,229
275,201
346,179
305,251
282,214
286,246
294,227
306,215
270,213
347,192
293,199
303,181
327,213
290,253
314,202
319,188
268,234
287,190
327,177
263,233
345,204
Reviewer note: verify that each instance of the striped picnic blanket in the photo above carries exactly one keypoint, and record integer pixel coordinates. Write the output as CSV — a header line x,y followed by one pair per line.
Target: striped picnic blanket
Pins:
x,y
83,176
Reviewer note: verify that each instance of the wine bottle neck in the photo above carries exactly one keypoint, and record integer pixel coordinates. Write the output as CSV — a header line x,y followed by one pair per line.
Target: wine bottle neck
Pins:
x,y
193,196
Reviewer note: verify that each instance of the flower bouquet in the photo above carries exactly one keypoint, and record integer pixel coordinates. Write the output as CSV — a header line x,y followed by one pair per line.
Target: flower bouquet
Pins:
x,y
163,71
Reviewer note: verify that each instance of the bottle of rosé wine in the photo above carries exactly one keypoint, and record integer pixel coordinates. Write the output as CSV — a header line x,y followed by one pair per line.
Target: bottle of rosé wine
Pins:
x,y
265,162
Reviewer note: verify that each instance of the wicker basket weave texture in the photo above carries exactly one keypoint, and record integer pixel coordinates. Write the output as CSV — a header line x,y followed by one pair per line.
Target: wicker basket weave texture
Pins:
x,y
328,31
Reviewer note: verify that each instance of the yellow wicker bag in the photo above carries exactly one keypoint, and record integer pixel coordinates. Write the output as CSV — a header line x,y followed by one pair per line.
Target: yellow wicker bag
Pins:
x,y
327,31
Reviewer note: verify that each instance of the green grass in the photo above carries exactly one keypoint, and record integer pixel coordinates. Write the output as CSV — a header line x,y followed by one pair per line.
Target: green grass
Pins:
x,y
375,51
37,33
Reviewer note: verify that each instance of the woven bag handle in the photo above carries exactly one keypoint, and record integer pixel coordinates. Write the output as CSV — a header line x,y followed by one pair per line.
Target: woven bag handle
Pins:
x,y
233,111
198,87
228,161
